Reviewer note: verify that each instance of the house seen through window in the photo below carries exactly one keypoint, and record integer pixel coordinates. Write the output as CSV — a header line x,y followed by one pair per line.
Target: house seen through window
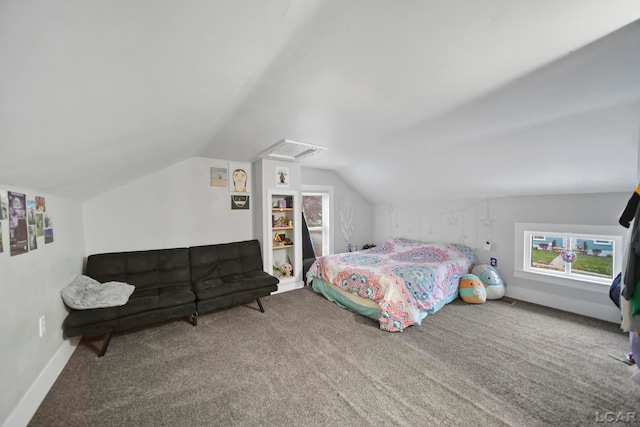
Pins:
x,y
590,258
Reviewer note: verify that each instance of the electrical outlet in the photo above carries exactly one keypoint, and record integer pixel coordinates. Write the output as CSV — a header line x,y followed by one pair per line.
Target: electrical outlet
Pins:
x,y
42,325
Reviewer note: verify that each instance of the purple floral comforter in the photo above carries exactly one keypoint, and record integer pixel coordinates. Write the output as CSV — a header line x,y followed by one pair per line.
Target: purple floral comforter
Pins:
x,y
408,279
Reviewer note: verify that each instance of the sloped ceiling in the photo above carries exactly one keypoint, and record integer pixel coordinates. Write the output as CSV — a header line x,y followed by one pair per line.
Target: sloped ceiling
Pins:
x,y
416,100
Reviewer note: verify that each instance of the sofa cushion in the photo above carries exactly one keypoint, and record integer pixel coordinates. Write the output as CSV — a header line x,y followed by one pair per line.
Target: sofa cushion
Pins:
x,y
228,268
249,281
225,259
140,301
144,269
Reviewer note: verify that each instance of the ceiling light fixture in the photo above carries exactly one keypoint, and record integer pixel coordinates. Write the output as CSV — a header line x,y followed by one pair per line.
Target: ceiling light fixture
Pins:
x,y
290,150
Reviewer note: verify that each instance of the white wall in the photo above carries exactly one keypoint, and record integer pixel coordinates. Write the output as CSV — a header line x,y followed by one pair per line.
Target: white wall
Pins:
x,y
30,285
175,207
363,217
450,220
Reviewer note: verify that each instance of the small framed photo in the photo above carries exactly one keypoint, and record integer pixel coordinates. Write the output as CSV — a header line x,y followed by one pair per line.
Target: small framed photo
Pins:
x,y
282,176
218,177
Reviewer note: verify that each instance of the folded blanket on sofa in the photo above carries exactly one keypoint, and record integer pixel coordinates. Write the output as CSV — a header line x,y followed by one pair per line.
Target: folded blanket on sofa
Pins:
x,y
85,293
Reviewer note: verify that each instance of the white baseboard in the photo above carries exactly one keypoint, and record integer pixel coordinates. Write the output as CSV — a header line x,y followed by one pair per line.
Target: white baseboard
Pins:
x,y
32,399
609,312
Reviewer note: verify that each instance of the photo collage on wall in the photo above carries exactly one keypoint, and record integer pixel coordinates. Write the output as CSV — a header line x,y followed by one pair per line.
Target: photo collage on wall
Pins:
x,y
237,177
29,223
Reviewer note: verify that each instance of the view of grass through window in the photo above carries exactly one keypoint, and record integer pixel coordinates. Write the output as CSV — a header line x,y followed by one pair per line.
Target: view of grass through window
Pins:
x,y
573,255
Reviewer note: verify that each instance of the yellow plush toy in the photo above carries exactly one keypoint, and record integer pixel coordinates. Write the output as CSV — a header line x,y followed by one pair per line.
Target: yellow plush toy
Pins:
x,y
472,290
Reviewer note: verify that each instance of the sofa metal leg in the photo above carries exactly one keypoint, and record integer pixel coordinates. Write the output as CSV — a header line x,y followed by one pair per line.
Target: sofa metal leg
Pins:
x,y
194,319
260,305
105,344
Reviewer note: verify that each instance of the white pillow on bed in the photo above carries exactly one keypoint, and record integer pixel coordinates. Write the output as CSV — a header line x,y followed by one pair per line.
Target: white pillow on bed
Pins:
x,y
84,293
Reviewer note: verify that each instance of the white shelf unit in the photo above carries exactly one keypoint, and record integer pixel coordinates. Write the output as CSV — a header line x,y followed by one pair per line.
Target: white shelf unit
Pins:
x,y
284,236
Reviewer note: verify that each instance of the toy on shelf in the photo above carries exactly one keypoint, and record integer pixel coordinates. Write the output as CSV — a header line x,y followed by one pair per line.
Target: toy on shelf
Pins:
x,y
283,222
287,269
283,270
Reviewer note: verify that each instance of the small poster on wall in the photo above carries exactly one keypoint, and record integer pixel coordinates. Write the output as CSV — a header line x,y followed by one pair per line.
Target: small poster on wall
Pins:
x,y
33,238
282,176
40,206
219,177
31,212
239,201
40,224
18,232
240,181
4,206
48,221
48,235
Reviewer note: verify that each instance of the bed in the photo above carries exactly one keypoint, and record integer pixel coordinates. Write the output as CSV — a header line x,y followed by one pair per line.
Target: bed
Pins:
x,y
398,283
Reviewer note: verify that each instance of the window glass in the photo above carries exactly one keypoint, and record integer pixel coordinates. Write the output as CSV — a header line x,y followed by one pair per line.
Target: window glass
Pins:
x,y
315,208
312,207
580,257
546,252
316,239
594,257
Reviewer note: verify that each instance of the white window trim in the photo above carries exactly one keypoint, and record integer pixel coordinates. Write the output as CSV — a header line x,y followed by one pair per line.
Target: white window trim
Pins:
x,y
616,233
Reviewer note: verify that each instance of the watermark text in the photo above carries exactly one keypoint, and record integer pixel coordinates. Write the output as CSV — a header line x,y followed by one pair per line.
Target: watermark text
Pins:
x,y
615,417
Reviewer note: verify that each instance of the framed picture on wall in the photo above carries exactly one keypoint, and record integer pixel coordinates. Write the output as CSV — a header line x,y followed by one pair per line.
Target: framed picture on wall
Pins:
x,y
239,201
282,176
219,177
240,177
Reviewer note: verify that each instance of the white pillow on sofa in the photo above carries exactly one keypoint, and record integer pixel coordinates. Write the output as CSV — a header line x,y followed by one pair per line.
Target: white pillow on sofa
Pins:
x,y
85,293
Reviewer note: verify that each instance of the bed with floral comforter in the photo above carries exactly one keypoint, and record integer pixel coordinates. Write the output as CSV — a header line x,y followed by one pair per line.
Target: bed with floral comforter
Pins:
x,y
401,281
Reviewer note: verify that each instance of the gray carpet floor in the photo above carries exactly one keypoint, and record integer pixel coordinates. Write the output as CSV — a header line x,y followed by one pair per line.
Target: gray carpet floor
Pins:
x,y
307,362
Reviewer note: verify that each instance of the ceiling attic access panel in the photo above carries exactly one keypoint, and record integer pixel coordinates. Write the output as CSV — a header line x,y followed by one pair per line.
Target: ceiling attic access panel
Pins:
x,y
290,151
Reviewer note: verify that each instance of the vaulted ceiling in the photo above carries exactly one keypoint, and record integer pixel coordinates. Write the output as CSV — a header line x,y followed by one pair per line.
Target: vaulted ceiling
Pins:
x,y
415,99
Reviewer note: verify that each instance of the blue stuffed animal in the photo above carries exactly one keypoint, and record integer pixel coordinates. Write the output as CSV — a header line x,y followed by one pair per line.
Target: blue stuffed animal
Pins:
x,y
491,280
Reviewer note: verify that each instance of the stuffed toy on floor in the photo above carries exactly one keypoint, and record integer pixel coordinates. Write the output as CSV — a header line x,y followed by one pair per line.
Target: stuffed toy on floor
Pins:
x,y
472,290
491,280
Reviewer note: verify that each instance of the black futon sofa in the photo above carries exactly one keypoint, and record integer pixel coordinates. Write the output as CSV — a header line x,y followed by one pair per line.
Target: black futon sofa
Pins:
x,y
171,284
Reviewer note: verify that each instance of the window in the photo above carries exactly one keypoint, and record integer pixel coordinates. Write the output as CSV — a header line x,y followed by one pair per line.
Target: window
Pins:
x,y
573,255
316,211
